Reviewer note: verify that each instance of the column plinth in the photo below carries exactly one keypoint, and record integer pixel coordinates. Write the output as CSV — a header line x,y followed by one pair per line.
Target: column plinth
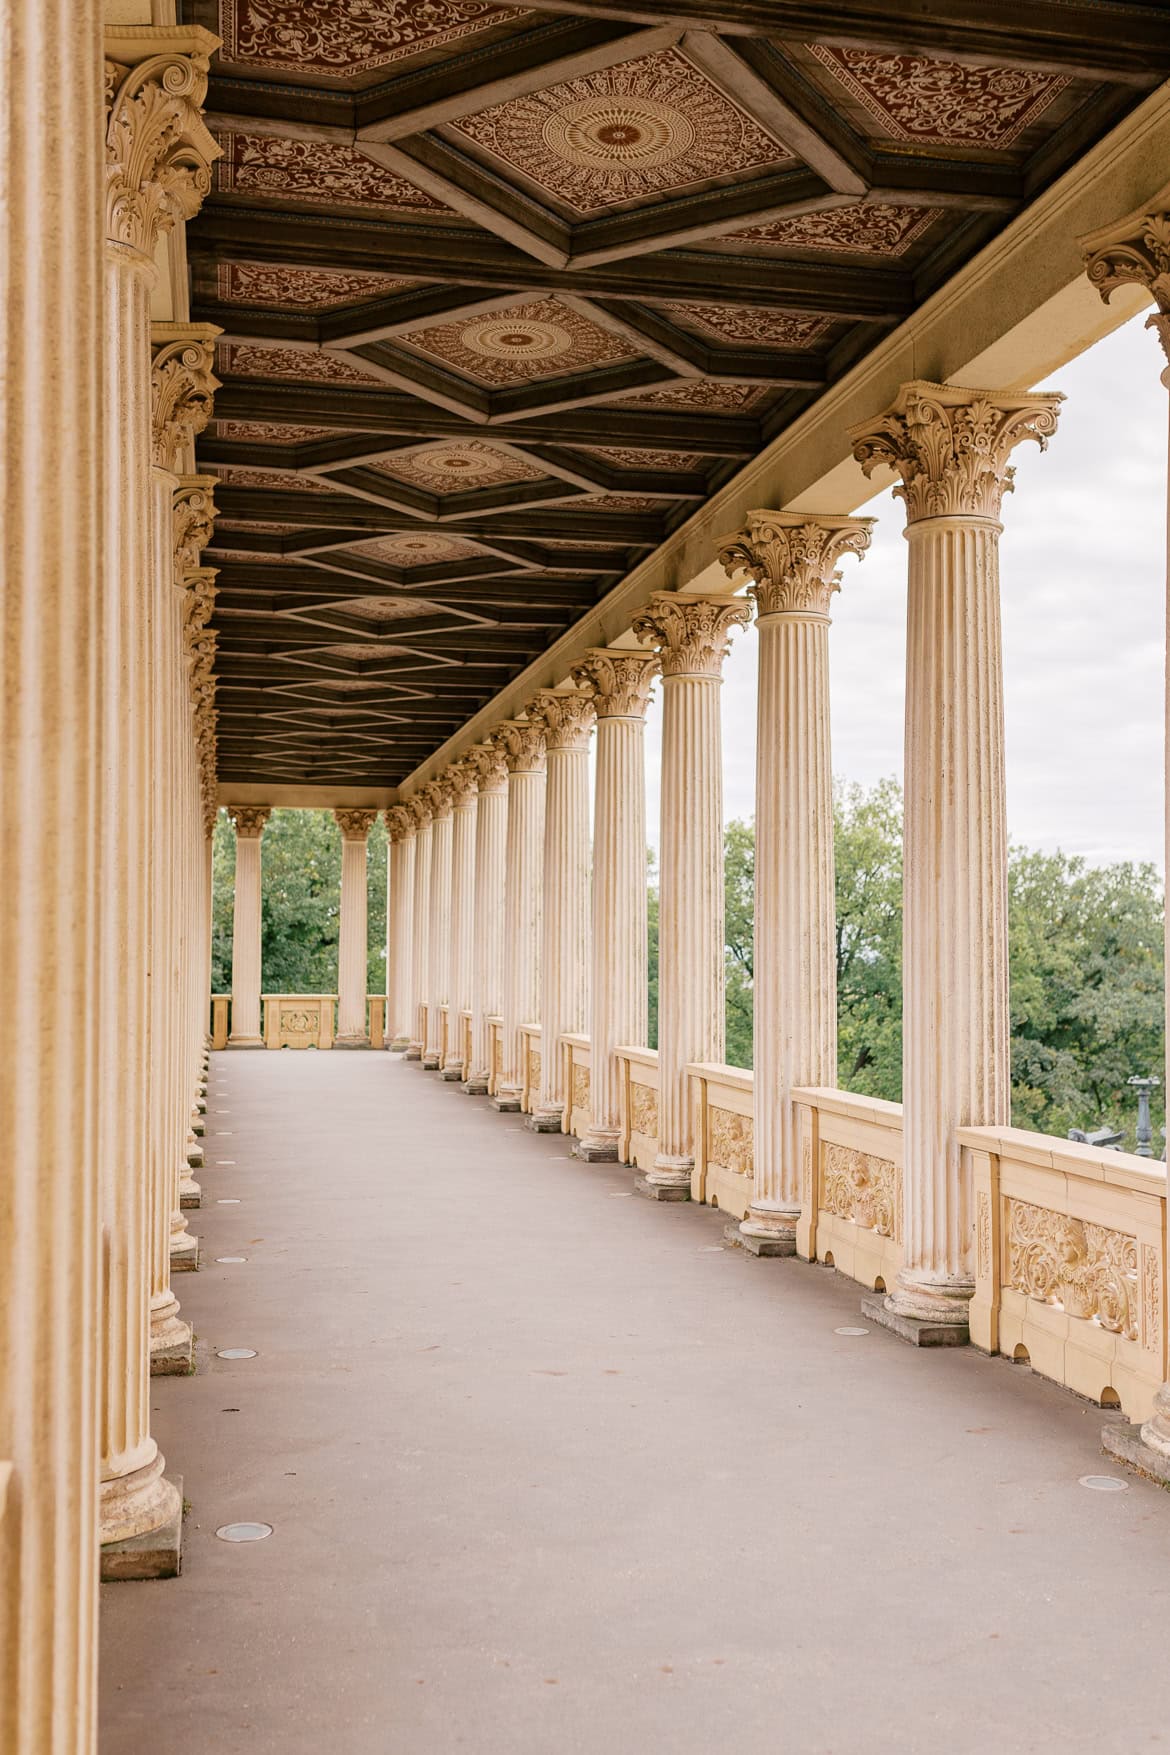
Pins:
x,y
950,448
792,559
568,719
487,958
401,830
465,802
522,744
619,682
691,633
249,821
352,1032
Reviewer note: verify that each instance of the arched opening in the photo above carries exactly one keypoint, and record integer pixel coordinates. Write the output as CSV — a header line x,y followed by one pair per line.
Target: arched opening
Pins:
x,y
1109,1397
1021,1356
879,1284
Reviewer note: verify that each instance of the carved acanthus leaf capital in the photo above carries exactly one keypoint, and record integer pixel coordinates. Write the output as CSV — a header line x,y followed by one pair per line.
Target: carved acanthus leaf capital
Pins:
x,y
159,152
491,768
691,633
523,744
182,387
420,809
400,822
951,446
464,784
193,521
1135,251
568,717
440,796
617,680
354,824
249,819
198,604
792,558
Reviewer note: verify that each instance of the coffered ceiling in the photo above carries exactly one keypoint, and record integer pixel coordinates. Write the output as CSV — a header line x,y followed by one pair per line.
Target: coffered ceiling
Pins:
x,y
507,293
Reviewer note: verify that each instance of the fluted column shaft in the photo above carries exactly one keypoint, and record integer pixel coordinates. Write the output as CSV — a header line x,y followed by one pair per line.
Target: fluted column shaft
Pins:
x,y
691,634
487,973
246,923
439,928
53,663
400,848
523,744
420,943
462,917
950,447
355,827
620,683
564,993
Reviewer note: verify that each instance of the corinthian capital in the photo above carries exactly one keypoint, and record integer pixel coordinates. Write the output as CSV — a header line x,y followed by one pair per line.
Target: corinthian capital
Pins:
x,y
420,809
617,680
438,794
1135,251
491,768
400,823
691,633
523,744
249,819
464,784
567,717
951,446
159,153
198,604
194,517
182,387
355,825
792,558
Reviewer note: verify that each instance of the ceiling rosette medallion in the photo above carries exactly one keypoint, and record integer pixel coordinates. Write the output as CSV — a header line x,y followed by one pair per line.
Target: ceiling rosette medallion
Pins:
x,y
459,467
538,339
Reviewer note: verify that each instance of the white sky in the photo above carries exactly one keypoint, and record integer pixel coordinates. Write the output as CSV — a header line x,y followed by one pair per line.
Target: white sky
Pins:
x,y
1083,559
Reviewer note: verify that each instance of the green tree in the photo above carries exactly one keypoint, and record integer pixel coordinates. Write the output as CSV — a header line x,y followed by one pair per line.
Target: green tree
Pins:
x,y
739,903
867,836
652,945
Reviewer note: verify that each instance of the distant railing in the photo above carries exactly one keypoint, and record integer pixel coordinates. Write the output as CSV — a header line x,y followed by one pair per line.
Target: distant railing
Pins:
x,y
495,1028
577,1059
529,1066
297,1020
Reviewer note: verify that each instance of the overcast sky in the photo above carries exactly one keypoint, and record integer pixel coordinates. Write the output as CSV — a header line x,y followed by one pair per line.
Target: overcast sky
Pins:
x,y
1083,581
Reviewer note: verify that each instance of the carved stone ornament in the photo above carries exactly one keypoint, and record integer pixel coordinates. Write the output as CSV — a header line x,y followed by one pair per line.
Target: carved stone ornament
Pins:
x,y
568,718
193,520
644,1111
792,557
491,767
522,742
618,681
439,795
400,823
249,819
691,634
863,1188
730,1140
1089,1270
464,783
951,446
581,1087
159,153
1135,251
355,825
198,604
182,387
420,809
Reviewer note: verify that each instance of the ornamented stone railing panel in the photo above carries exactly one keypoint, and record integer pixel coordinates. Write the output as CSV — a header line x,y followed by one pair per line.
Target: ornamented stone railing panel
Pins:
x,y
465,1043
638,1144
577,1064
722,1106
377,1017
220,1019
298,1020
529,1066
495,1026
851,1183
1070,1262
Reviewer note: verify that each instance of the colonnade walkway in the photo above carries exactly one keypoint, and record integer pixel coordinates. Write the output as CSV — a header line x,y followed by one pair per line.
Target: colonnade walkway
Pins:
x,y
551,1468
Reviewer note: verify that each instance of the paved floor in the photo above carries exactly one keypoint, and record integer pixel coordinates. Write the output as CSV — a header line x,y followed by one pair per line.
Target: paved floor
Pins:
x,y
551,1471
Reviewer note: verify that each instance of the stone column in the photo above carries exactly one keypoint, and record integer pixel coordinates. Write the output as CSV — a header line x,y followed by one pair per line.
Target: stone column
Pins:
x,y
691,633
55,668
158,158
249,821
791,558
951,447
464,793
420,809
1136,251
439,795
567,717
522,743
352,1031
487,963
400,842
619,682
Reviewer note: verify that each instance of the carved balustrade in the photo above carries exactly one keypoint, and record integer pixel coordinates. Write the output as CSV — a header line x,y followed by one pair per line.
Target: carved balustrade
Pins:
x,y
495,1028
638,1142
298,1020
850,1183
577,1063
722,1117
529,1067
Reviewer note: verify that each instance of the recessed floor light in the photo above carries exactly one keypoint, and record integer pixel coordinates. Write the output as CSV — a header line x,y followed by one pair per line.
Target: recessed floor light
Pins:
x,y
1104,1483
243,1532
228,1200
850,1331
223,1161
227,1258
236,1353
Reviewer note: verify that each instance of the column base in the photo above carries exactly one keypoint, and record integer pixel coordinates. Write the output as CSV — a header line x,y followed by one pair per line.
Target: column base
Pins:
x,y
760,1242
1125,1442
545,1121
505,1103
412,1051
354,1039
156,1553
476,1085
453,1074
400,1045
197,1124
919,1331
190,1194
184,1253
195,1157
654,1188
245,1041
431,1062
177,1357
596,1149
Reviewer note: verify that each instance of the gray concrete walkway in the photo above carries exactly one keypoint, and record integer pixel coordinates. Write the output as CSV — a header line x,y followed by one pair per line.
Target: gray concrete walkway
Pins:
x,y
552,1471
